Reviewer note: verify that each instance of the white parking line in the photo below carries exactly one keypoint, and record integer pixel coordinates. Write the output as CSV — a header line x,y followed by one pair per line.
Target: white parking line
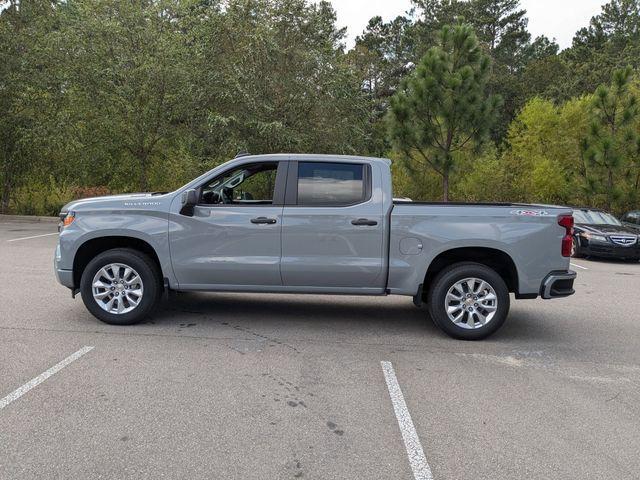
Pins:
x,y
579,266
34,236
417,460
16,394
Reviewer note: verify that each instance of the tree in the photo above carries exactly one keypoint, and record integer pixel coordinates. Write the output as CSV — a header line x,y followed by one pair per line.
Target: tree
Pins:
x,y
542,160
612,139
26,91
271,76
126,74
382,57
501,28
442,108
610,42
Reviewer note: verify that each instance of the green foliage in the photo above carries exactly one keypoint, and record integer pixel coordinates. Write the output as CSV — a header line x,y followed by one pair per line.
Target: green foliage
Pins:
x,y
612,138
442,108
42,197
101,96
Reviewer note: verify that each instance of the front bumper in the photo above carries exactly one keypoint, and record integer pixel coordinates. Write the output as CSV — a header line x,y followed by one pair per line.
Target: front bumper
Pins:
x,y
64,277
558,285
609,250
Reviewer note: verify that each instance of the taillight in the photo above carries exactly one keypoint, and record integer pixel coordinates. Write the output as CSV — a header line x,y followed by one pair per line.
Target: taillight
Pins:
x,y
566,221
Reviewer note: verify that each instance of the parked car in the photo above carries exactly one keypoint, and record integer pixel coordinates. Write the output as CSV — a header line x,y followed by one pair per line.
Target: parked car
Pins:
x,y
632,220
599,234
314,224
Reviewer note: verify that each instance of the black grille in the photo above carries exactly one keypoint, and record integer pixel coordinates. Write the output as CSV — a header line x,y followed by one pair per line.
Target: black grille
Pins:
x,y
624,240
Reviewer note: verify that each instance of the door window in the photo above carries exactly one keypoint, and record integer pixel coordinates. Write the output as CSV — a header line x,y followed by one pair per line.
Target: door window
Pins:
x,y
252,184
331,184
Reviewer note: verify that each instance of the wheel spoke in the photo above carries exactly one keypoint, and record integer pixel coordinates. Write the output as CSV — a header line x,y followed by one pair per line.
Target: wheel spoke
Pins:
x,y
132,299
469,284
470,320
105,274
483,287
452,297
101,295
458,318
109,305
489,308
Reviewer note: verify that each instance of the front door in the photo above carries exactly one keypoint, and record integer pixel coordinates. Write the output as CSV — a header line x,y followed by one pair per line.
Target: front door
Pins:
x,y
234,236
333,227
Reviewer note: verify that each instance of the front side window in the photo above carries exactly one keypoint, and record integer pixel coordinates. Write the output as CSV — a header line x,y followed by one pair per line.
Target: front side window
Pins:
x,y
332,184
251,184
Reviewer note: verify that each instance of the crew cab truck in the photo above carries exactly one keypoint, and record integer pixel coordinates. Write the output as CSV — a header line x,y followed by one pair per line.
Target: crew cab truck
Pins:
x,y
314,224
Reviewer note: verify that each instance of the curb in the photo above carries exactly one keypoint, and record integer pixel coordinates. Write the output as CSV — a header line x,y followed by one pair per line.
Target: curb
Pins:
x,y
28,219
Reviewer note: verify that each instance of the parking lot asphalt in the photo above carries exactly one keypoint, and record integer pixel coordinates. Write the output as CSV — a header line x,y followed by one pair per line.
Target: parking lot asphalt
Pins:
x,y
250,386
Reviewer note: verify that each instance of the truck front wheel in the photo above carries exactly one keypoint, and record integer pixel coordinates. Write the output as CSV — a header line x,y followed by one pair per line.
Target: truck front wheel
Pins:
x,y
468,301
120,286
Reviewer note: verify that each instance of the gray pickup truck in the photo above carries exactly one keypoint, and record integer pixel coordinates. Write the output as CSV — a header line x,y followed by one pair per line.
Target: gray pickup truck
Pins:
x,y
315,224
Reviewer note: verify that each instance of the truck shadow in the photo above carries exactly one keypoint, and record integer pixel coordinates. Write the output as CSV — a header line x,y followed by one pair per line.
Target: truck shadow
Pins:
x,y
334,314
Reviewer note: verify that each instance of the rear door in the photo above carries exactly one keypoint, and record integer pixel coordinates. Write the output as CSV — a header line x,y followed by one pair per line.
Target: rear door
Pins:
x,y
333,226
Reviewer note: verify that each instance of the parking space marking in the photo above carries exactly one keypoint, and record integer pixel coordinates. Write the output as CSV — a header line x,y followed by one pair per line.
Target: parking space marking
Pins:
x,y
16,394
417,460
34,236
579,266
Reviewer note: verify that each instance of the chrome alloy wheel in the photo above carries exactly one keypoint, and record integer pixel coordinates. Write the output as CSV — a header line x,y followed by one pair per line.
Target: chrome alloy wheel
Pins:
x,y
117,288
471,303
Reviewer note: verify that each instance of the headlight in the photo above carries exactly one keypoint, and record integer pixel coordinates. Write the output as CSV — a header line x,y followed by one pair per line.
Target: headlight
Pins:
x,y
68,219
594,238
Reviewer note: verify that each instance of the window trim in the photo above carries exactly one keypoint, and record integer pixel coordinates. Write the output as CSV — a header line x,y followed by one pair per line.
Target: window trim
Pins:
x,y
291,195
278,190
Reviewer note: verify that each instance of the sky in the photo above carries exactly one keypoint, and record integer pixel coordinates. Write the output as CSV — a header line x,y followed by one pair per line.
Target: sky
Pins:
x,y
558,19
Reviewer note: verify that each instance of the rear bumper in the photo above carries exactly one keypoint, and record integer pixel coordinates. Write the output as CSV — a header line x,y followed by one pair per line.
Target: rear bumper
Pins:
x,y
558,285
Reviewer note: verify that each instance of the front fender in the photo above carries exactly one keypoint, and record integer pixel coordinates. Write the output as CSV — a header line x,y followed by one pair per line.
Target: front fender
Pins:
x,y
146,225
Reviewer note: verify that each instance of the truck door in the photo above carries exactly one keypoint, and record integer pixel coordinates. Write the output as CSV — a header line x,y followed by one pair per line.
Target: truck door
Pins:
x,y
233,237
333,226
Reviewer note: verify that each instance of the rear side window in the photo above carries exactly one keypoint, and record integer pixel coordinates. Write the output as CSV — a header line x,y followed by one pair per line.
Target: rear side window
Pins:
x,y
334,184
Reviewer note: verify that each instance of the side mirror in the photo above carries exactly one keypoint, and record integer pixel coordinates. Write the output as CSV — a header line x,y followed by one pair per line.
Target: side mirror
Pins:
x,y
189,200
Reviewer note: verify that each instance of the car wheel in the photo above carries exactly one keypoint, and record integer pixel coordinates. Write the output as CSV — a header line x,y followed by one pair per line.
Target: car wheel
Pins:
x,y
120,286
575,248
468,301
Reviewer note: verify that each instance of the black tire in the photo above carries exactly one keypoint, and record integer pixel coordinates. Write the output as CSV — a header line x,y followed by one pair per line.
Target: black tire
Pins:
x,y
148,272
575,251
448,278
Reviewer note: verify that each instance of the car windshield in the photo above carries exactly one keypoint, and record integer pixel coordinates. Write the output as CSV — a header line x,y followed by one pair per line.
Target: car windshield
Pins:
x,y
594,217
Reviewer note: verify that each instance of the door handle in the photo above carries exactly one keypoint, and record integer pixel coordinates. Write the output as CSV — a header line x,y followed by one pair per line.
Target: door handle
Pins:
x,y
364,222
263,221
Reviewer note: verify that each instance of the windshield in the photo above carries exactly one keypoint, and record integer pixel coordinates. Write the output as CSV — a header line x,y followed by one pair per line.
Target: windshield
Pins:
x,y
593,217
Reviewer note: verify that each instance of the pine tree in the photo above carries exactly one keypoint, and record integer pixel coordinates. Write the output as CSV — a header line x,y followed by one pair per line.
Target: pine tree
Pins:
x,y
443,108
611,139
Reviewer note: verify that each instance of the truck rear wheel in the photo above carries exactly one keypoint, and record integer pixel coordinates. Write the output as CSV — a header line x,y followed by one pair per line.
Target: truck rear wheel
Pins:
x,y
468,301
120,286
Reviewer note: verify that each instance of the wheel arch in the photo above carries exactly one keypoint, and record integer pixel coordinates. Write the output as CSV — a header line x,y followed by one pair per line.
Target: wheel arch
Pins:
x,y
95,246
494,258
